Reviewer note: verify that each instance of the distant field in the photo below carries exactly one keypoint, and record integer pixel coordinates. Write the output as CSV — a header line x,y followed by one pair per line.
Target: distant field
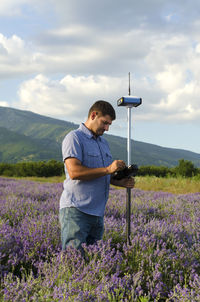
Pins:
x,y
172,185
148,183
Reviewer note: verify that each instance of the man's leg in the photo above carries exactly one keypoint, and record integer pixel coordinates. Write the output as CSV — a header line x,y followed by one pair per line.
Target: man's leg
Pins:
x,y
96,231
75,227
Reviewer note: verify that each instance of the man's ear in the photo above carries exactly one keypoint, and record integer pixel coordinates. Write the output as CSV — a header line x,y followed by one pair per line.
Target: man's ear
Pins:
x,y
93,115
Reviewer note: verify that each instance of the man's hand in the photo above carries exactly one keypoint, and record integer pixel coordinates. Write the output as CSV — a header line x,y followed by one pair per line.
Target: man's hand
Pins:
x,y
116,165
128,182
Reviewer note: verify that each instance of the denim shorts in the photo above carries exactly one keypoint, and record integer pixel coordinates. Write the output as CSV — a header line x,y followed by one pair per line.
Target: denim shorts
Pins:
x,y
78,227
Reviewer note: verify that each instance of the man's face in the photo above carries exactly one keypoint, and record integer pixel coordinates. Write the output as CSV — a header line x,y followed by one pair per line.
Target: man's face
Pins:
x,y
101,123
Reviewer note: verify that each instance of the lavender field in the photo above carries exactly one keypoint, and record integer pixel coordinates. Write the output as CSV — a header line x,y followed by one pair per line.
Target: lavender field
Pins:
x,y
161,264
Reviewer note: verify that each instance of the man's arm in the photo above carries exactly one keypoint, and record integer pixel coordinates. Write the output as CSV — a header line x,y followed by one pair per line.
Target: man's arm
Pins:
x,y
79,172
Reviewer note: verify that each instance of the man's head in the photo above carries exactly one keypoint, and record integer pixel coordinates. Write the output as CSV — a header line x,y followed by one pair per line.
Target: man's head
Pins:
x,y
100,117
103,108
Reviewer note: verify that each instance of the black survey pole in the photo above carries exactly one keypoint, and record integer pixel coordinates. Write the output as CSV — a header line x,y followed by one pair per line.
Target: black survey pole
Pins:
x,y
128,190
129,102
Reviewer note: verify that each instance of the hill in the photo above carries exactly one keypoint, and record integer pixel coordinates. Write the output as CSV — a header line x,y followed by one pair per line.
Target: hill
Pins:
x,y
27,136
16,147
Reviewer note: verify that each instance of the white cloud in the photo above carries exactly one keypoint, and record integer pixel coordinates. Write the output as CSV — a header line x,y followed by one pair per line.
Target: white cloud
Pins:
x,y
97,53
182,104
4,104
12,46
18,57
171,78
44,96
63,55
68,98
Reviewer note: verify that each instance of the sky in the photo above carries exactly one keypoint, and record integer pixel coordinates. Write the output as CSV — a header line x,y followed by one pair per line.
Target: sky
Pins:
x,y
58,57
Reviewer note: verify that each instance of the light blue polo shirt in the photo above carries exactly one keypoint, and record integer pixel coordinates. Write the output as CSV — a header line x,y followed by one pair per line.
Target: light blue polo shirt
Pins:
x,y
88,196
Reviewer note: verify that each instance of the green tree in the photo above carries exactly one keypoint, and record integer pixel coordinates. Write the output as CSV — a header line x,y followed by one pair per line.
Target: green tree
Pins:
x,y
186,168
40,169
158,171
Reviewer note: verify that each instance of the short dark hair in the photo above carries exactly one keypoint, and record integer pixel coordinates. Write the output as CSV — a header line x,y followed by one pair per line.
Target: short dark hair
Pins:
x,y
104,108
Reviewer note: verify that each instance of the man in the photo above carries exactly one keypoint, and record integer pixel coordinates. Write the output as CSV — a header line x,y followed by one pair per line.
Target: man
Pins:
x,y
89,168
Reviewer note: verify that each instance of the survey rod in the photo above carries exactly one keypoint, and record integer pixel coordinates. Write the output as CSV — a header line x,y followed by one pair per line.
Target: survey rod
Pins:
x,y
129,102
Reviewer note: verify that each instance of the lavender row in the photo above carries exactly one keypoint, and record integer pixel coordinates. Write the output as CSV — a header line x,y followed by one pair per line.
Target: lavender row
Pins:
x,y
161,264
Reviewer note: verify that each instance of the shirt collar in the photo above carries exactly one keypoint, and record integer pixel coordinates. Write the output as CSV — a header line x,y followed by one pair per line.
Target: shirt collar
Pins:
x,y
87,132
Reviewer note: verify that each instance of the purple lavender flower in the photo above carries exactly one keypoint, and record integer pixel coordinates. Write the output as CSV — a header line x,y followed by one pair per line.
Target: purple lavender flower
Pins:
x,y
161,264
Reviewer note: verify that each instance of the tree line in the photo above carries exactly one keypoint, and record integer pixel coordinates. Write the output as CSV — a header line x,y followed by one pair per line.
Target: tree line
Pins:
x,y
37,169
185,168
50,168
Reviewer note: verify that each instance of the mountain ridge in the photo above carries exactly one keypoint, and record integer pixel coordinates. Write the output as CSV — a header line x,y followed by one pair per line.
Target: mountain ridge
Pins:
x,y
39,137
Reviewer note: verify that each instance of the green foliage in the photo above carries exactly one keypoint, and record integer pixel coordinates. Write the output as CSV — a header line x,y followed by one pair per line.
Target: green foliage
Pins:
x,y
185,168
39,169
154,170
55,168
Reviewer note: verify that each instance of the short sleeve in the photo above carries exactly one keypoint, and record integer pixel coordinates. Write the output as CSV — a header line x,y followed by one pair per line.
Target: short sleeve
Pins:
x,y
71,146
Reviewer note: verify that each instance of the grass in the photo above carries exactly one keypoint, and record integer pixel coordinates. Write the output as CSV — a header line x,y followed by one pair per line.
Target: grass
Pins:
x,y
177,185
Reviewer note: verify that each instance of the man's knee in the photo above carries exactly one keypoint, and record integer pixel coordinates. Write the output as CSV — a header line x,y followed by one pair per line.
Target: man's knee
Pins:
x,y
74,228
